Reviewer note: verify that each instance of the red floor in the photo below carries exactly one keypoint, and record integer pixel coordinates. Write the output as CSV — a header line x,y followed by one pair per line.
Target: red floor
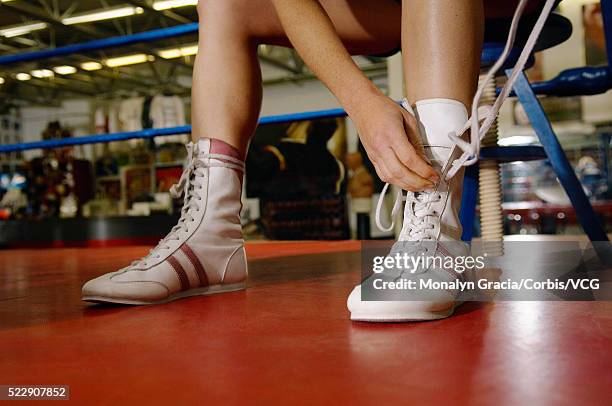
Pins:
x,y
288,339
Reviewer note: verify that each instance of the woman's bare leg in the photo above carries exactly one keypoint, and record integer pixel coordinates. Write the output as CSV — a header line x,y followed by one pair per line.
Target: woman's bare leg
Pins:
x,y
226,93
441,46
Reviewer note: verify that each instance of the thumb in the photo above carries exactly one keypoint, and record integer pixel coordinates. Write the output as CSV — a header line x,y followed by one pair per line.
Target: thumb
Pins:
x,y
414,130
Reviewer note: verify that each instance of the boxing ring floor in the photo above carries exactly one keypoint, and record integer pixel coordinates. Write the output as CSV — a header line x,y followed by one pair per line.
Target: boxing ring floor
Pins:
x,y
287,339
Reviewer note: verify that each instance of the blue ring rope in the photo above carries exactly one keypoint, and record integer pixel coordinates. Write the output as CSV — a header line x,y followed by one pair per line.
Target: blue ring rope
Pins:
x,y
160,132
98,44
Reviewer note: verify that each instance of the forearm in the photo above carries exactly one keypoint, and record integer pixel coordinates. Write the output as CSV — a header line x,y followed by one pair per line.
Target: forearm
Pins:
x,y
314,37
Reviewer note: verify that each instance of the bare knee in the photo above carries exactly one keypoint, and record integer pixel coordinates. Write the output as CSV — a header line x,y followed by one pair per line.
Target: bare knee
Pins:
x,y
253,19
220,10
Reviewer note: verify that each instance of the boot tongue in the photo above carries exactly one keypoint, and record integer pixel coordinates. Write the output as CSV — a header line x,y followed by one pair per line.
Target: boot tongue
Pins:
x,y
219,147
437,119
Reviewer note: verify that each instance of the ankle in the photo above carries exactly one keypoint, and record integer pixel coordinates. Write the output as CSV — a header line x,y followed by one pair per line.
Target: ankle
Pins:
x,y
439,117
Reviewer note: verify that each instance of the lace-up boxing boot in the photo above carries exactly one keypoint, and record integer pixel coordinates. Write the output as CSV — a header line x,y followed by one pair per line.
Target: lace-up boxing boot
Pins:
x,y
204,253
431,230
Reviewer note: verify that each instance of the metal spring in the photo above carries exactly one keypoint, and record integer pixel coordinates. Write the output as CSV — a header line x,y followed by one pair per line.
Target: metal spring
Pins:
x,y
490,191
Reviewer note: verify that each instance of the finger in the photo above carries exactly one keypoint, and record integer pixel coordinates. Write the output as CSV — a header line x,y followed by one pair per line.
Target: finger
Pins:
x,y
410,158
391,170
410,149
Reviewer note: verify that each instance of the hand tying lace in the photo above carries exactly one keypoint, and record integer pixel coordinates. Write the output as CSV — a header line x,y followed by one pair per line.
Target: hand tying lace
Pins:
x,y
190,185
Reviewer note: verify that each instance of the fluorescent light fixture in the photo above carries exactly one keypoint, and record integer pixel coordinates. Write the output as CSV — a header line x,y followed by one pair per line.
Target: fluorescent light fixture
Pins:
x,y
21,29
23,76
167,4
65,70
1,81
185,50
42,73
91,66
128,60
102,14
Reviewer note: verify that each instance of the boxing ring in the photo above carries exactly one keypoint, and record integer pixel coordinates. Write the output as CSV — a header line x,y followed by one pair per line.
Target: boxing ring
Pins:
x,y
578,81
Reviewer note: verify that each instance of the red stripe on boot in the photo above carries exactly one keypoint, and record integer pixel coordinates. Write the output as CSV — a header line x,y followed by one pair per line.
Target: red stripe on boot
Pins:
x,y
195,261
180,272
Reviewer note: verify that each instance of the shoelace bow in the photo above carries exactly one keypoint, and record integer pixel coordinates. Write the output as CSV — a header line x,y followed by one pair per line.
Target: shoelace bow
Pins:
x,y
470,150
190,182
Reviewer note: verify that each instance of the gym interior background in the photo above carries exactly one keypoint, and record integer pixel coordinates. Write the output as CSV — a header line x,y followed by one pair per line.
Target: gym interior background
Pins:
x,y
87,194
313,182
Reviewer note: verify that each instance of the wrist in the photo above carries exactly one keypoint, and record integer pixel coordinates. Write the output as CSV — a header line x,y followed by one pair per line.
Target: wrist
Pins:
x,y
359,102
358,98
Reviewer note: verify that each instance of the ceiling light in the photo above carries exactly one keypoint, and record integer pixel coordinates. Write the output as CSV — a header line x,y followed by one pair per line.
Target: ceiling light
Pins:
x,y
91,66
1,81
103,14
166,4
178,52
128,60
65,70
21,29
23,76
42,73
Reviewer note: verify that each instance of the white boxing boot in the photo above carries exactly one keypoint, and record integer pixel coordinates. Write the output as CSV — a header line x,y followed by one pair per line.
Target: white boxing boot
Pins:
x,y
431,228
204,253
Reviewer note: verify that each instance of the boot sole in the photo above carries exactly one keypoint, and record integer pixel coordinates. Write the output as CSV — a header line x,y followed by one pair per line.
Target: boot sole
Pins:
x,y
203,291
413,316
